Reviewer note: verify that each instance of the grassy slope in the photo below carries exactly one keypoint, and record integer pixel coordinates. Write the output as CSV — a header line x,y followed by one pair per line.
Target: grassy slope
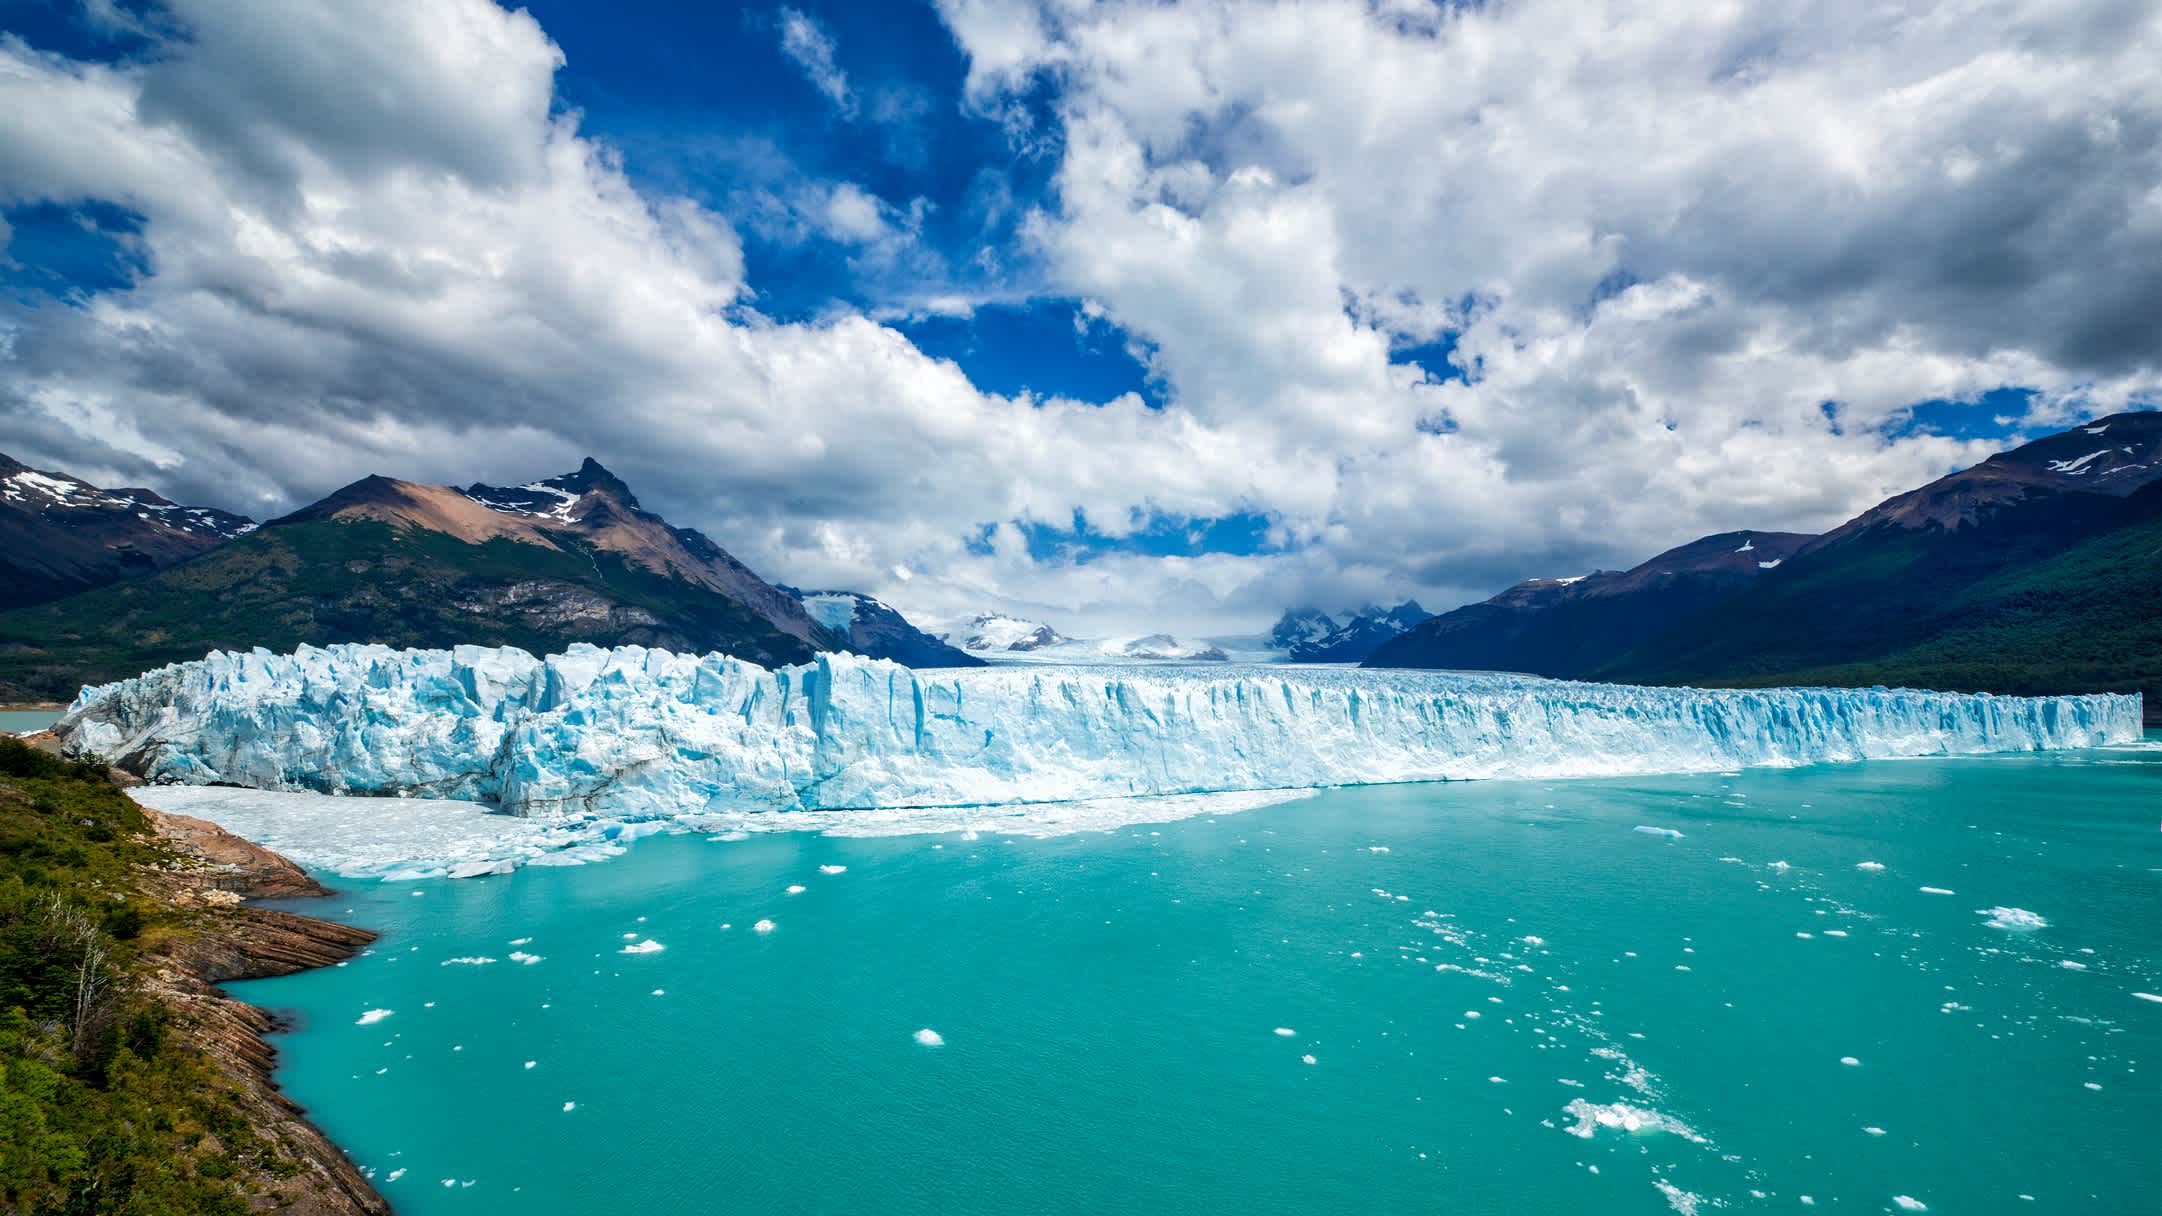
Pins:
x,y
323,581
99,1112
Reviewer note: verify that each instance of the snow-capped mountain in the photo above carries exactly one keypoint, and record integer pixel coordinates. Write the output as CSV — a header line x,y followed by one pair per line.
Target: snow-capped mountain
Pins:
x,y
542,565
60,534
1160,648
1296,629
2033,571
1012,638
878,630
1315,637
994,631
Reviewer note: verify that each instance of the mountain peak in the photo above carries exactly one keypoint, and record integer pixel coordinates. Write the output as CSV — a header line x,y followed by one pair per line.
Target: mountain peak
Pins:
x,y
592,475
59,534
2114,457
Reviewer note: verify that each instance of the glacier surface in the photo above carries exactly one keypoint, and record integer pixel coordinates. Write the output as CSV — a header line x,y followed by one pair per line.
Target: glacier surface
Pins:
x,y
634,734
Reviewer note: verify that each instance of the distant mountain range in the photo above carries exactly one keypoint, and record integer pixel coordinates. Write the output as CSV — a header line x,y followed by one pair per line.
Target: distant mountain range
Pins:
x,y
1316,637
541,565
2037,571
1015,637
60,534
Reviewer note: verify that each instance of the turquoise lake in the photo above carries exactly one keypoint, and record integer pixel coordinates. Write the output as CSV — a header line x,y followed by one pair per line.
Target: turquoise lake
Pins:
x,y
22,721
1512,999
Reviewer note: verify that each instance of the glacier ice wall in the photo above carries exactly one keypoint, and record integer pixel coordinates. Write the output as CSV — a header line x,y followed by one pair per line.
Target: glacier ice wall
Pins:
x,y
635,733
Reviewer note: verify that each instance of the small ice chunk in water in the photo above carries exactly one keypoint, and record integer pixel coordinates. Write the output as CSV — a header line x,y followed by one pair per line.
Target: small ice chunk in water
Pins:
x,y
831,870
1683,1202
2148,996
468,960
373,1016
764,926
2011,918
1849,1061
1306,1059
1908,1203
1872,867
930,1038
1497,1080
796,889
520,956
1620,1116
531,1063
1285,1031
1377,848
1778,866
648,946
1938,891
1649,830
568,1107
1874,1131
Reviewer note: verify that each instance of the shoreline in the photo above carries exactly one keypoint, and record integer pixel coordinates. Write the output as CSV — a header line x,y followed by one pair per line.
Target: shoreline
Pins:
x,y
237,941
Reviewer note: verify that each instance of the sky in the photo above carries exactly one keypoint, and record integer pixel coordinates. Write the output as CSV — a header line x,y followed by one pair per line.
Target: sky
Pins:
x,y
1122,316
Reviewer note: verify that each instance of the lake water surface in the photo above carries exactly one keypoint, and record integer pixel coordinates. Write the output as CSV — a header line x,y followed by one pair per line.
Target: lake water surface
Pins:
x,y
23,721
1830,992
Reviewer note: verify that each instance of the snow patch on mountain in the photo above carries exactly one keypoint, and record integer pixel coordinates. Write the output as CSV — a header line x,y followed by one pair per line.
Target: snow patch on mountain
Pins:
x,y
834,610
30,489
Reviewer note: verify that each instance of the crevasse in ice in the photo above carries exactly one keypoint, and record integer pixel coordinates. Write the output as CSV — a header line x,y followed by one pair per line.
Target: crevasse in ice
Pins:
x,y
635,733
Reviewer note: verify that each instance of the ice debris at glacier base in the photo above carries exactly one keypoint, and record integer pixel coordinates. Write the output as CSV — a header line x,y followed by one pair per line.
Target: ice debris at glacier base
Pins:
x,y
636,734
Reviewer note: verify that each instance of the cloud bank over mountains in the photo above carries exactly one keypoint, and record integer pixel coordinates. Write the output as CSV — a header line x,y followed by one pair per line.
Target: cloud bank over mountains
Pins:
x,y
1437,296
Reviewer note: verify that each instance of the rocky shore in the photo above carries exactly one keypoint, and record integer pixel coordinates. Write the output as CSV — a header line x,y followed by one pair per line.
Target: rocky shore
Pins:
x,y
217,876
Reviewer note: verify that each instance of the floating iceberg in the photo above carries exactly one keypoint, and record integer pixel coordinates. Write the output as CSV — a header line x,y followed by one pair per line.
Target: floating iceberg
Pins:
x,y
636,734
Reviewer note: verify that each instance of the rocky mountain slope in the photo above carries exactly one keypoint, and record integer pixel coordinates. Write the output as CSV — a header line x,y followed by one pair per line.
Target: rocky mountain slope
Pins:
x,y
540,565
60,535
2036,571
1573,626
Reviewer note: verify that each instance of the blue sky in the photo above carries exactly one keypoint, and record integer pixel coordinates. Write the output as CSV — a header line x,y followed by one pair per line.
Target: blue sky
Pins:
x,y
1121,315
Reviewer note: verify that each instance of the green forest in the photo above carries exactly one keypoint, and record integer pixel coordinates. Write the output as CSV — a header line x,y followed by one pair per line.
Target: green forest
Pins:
x,y
102,1108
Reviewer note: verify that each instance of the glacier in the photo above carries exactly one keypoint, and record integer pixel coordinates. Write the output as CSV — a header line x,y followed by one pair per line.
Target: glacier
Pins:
x,y
634,734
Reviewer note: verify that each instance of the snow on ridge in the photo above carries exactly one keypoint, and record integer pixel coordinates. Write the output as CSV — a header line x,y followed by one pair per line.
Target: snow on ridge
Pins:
x,y
2075,468
635,734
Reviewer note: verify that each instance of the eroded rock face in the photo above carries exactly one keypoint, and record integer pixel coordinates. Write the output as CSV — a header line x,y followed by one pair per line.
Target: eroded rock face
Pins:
x,y
217,872
229,865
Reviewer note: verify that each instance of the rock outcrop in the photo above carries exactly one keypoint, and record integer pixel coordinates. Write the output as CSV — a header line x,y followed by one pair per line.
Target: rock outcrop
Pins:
x,y
217,873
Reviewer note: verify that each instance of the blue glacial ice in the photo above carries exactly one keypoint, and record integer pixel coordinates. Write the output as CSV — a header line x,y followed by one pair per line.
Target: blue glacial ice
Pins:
x,y
636,734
